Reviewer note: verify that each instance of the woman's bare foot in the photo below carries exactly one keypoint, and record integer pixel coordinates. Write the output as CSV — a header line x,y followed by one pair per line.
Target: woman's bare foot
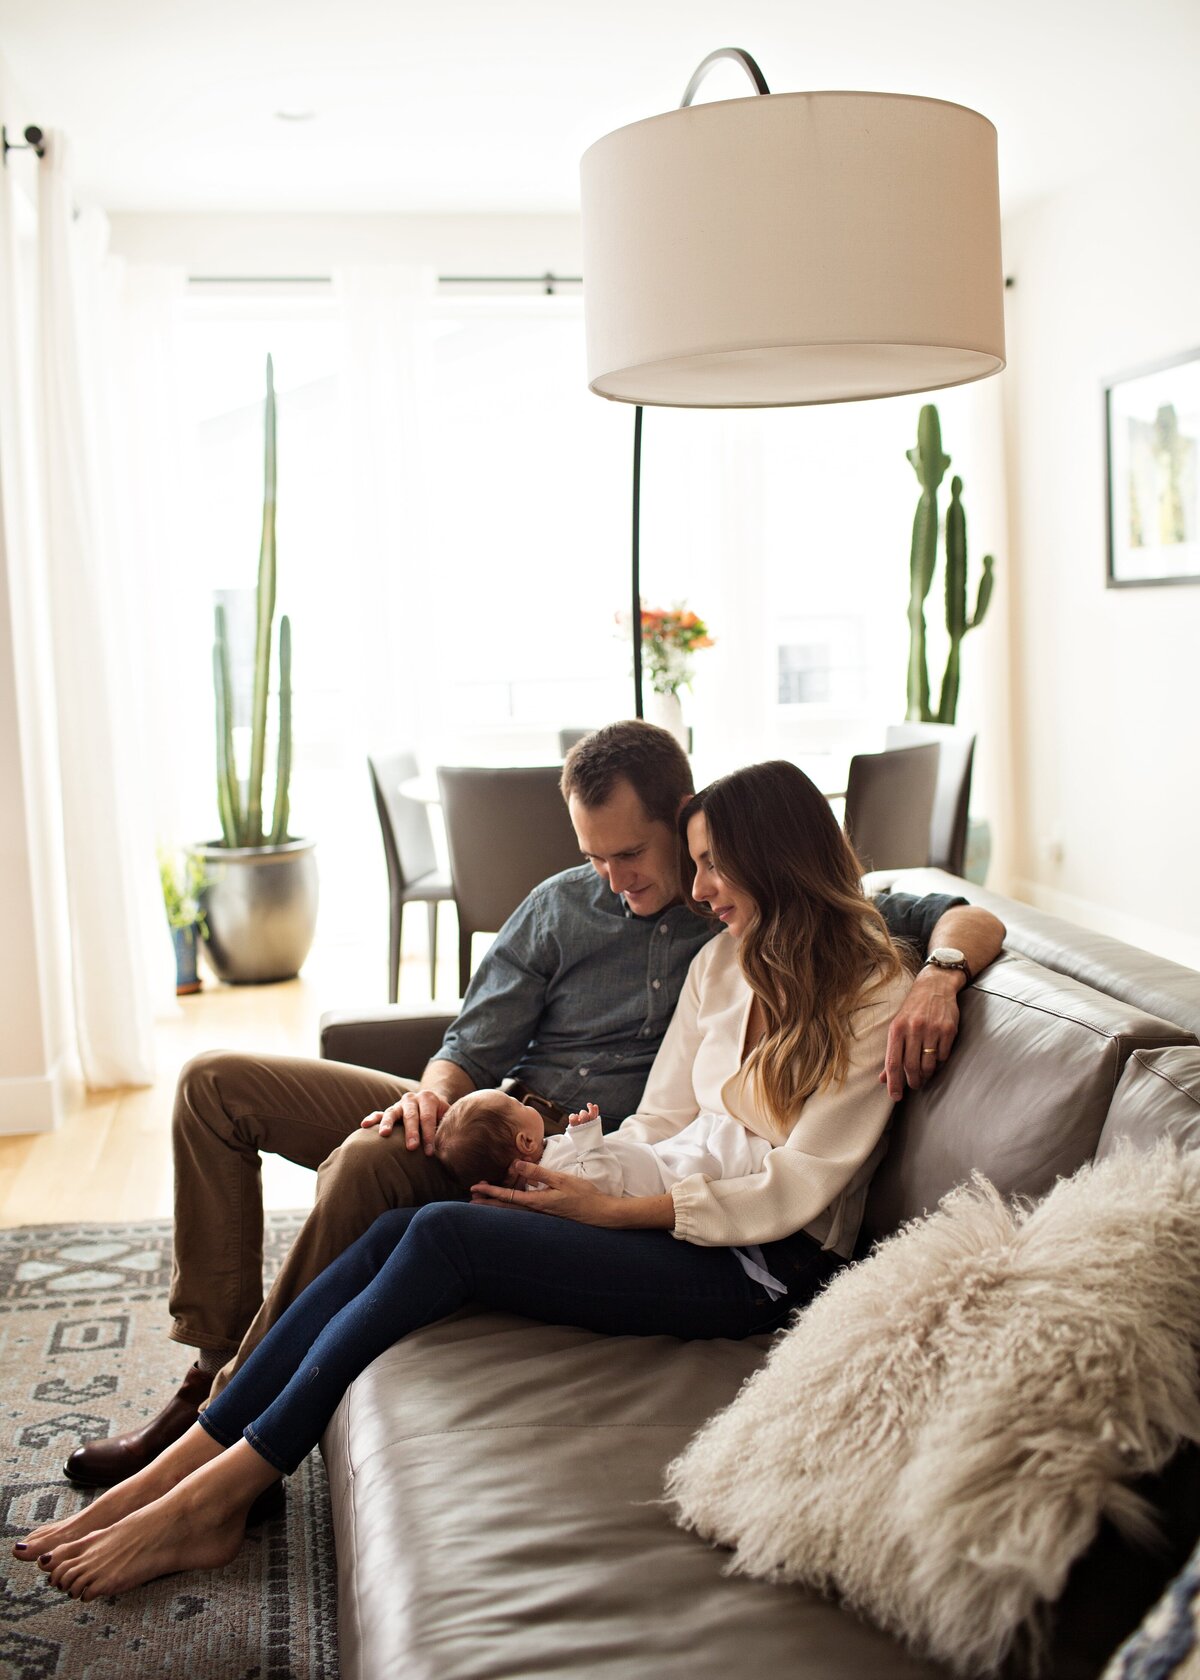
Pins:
x,y
197,1525
193,1449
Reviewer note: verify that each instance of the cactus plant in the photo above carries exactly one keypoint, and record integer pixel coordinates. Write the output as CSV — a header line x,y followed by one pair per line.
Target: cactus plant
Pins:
x,y
930,465
957,622
241,809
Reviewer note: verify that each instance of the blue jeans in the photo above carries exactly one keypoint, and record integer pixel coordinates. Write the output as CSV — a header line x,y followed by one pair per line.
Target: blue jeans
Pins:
x,y
417,1265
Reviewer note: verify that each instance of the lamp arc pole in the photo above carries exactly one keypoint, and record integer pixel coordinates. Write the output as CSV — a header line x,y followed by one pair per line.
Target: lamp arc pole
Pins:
x,y
738,56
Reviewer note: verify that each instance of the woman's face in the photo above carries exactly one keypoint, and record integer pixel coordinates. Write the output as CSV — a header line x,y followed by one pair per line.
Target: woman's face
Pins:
x,y
731,905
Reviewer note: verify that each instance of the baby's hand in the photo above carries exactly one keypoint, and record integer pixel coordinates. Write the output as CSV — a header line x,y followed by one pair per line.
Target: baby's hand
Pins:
x,y
591,1112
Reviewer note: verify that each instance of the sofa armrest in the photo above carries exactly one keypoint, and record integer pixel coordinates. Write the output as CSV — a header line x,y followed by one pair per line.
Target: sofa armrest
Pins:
x,y
396,1040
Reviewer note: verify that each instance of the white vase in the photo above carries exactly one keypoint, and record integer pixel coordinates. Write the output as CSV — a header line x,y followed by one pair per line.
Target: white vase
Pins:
x,y
667,712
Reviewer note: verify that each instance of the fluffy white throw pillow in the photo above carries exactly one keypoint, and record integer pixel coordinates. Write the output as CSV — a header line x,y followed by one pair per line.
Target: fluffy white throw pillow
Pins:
x,y
938,1436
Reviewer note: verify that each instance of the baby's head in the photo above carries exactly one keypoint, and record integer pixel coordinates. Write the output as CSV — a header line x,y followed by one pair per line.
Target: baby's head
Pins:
x,y
480,1136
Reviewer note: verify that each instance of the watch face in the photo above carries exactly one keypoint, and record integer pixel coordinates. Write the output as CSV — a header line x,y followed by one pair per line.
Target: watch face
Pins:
x,y
946,955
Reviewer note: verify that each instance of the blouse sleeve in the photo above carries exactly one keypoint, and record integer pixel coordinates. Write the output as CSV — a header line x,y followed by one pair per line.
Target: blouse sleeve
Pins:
x,y
835,1133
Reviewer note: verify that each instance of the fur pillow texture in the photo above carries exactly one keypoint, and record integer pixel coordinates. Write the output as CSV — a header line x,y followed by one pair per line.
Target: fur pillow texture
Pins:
x,y
937,1437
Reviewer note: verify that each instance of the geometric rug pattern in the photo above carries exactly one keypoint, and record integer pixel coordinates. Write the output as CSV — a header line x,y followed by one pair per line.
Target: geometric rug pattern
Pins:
x,y
84,1354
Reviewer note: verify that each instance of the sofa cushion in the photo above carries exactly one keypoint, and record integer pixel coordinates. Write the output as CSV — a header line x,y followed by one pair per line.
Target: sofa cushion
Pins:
x,y
939,1437
1139,977
1159,1094
497,1495
1023,1098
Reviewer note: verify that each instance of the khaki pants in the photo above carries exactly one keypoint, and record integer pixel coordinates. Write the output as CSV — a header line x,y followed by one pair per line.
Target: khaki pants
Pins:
x,y
228,1109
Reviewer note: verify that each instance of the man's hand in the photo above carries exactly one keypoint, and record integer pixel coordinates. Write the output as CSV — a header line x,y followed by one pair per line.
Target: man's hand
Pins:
x,y
418,1112
923,1031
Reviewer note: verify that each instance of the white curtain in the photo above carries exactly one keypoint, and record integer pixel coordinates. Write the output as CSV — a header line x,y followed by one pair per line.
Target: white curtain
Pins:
x,y
387,568
114,906
165,603
32,673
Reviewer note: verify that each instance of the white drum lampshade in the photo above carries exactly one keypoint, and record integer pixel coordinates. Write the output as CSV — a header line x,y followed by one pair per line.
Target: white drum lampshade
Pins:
x,y
792,248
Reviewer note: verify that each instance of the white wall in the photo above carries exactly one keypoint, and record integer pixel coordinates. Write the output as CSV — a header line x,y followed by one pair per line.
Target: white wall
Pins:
x,y
1105,683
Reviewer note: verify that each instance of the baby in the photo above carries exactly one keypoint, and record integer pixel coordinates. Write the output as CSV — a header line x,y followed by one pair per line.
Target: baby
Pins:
x,y
482,1136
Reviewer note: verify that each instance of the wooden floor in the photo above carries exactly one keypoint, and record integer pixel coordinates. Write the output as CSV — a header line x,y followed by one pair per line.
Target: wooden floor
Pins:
x,y
111,1159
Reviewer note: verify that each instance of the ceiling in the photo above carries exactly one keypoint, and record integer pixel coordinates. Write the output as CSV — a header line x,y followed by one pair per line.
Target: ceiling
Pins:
x,y
477,106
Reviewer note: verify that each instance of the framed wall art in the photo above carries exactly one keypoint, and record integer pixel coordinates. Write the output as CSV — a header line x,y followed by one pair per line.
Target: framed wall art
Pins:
x,y
1152,430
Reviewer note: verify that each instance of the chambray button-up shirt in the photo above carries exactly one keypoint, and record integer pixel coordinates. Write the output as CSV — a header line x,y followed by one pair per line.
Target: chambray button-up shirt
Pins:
x,y
575,995
576,992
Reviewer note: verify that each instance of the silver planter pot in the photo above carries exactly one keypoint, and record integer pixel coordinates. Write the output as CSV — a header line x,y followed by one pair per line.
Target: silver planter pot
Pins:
x,y
261,909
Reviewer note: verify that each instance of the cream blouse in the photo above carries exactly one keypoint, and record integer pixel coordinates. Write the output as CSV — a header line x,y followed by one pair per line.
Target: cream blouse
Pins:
x,y
815,1177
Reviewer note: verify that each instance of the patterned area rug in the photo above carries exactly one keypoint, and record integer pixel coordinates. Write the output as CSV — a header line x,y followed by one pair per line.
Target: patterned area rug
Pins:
x,y
84,1354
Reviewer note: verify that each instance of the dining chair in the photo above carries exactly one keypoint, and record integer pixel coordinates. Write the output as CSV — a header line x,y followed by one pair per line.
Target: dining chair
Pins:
x,y
506,830
413,874
889,804
568,738
948,824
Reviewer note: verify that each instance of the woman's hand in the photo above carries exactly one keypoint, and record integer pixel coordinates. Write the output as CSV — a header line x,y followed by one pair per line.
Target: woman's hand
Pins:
x,y
568,1196
565,1195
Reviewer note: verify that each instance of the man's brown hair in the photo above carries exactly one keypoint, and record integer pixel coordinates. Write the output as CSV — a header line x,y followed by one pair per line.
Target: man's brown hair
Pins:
x,y
650,759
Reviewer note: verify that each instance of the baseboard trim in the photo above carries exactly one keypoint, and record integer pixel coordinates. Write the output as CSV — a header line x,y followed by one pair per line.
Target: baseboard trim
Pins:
x,y
1134,930
32,1105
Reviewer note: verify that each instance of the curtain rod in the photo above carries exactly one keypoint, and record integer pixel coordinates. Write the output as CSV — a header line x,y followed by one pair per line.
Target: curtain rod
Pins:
x,y
35,141
548,280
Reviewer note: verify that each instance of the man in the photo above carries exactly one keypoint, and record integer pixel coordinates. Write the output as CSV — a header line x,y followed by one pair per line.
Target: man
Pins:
x,y
570,1005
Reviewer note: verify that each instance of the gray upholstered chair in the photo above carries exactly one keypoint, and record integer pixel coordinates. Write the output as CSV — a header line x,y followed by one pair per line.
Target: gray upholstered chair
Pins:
x,y
506,830
568,738
952,796
413,874
889,805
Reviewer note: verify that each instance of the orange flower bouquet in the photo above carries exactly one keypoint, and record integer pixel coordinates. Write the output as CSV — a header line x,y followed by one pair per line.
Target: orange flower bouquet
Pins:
x,y
670,637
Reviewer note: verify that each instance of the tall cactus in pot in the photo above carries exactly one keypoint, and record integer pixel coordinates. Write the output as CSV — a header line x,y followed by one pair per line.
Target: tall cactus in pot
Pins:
x,y
929,464
242,817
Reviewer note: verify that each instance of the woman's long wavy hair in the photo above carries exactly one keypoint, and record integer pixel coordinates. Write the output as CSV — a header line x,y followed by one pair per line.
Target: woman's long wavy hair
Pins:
x,y
816,945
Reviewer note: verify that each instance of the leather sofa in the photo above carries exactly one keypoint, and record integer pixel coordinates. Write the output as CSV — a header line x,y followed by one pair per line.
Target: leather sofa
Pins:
x,y
496,1483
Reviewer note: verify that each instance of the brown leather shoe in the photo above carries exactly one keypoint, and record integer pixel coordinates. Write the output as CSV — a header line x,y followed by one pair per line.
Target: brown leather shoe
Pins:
x,y
101,1463
270,1505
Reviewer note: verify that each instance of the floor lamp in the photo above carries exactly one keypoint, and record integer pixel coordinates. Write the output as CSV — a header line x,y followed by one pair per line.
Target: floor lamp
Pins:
x,y
786,249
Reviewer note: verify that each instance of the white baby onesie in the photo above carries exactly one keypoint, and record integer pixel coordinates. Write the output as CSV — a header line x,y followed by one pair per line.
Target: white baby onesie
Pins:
x,y
714,1145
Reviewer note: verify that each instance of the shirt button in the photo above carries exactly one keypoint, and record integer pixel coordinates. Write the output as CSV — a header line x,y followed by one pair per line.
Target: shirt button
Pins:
x,y
583,1072
662,927
657,984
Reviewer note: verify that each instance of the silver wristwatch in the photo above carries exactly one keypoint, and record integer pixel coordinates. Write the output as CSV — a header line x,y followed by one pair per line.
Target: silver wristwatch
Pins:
x,y
946,956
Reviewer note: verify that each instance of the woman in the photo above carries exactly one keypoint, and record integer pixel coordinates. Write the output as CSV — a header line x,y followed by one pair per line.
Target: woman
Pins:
x,y
782,1026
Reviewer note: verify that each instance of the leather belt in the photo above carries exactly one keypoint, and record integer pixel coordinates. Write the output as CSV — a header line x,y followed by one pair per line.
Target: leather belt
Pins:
x,y
549,1111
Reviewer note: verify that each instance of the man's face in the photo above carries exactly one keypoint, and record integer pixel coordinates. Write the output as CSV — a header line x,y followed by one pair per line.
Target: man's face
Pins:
x,y
635,854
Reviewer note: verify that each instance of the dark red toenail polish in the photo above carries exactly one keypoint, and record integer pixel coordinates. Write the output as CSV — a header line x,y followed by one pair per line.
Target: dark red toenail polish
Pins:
x,y
45,1558
20,1545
